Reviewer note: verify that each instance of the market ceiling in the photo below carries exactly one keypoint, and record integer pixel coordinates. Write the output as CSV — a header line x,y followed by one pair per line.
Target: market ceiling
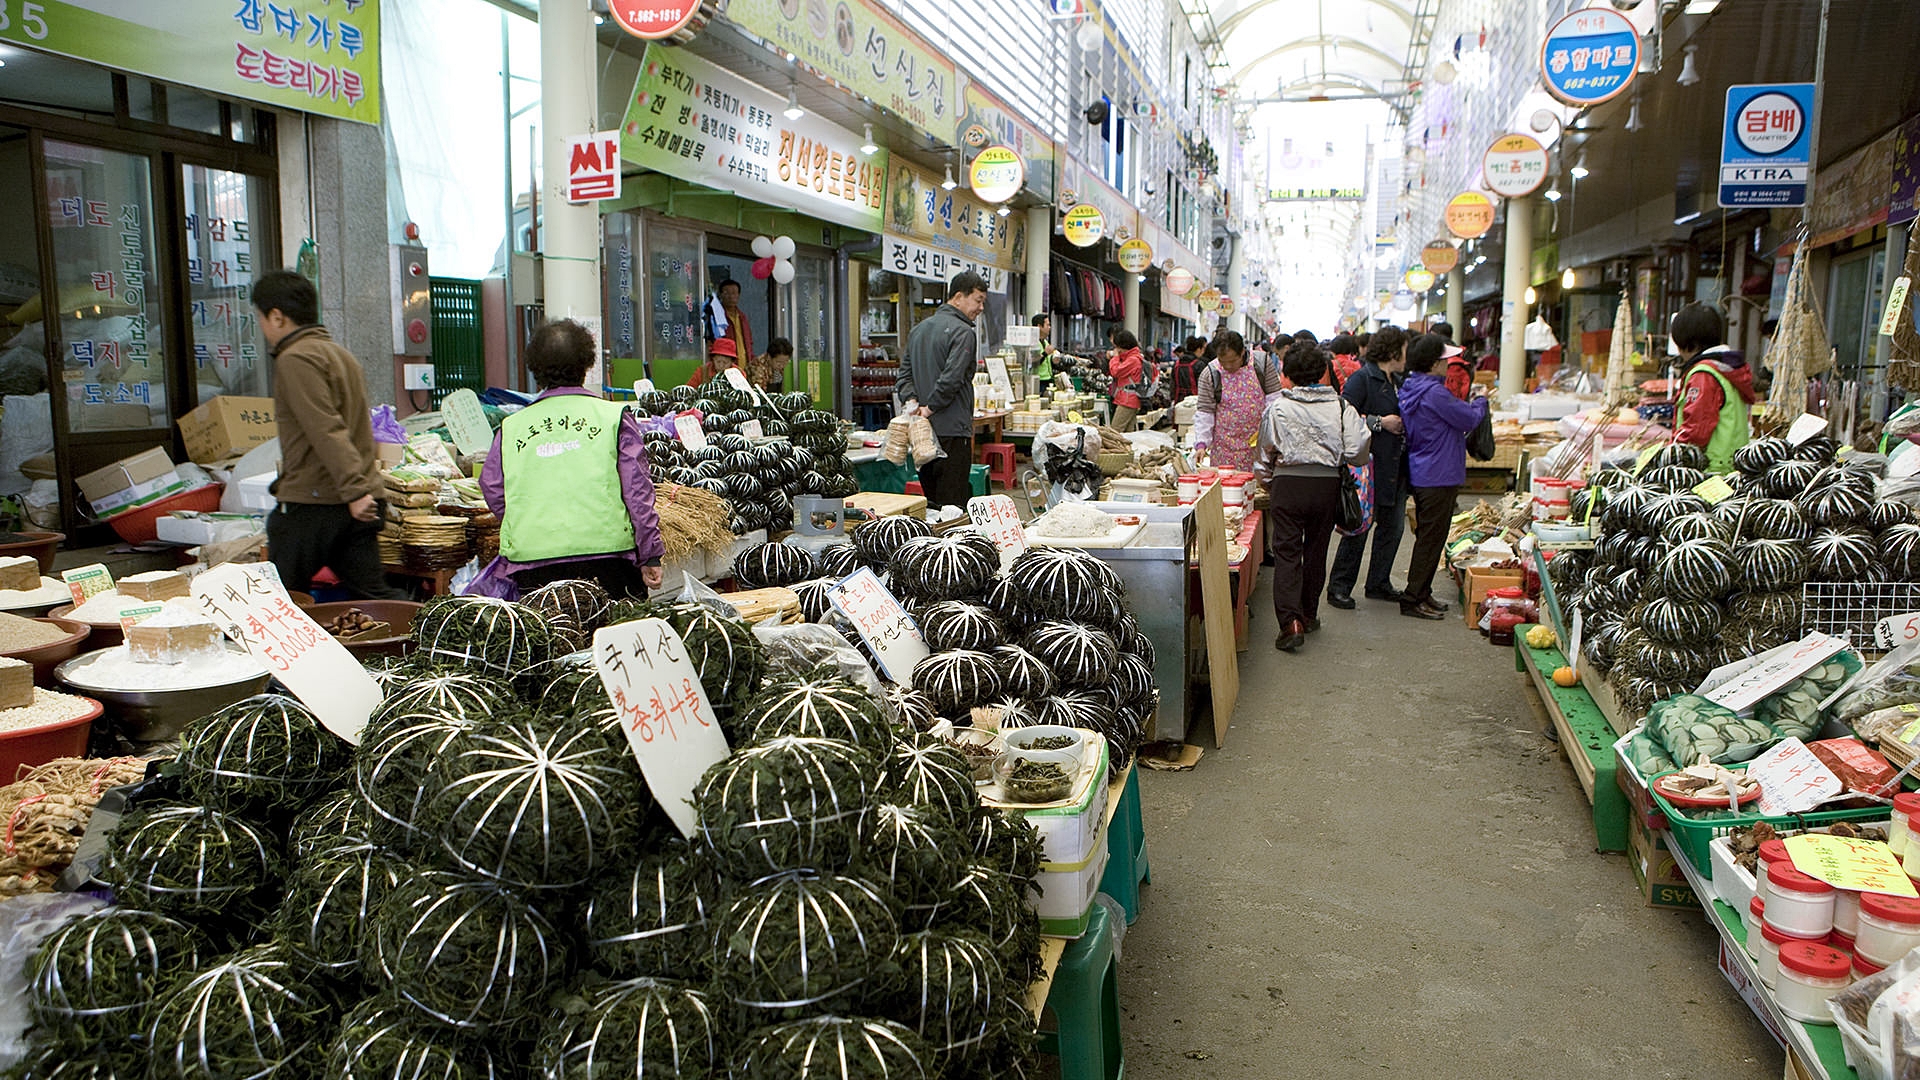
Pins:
x,y
1290,50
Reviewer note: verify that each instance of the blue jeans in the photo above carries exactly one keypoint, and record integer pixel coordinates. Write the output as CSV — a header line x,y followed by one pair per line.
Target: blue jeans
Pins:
x,y
1389,517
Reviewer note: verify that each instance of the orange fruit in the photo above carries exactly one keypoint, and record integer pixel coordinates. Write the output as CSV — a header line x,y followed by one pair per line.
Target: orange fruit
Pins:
x,y
1565,676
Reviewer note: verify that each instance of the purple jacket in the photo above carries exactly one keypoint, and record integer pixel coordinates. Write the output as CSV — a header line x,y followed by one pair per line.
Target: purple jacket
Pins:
x,y
636,488
1437,428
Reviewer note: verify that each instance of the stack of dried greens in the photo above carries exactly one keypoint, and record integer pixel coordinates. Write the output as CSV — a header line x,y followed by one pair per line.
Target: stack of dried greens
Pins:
x,y
574,609
484,636
255,1013
194,863
653,920
469,954
383,1039
93,982
263,755
638,1028
790,803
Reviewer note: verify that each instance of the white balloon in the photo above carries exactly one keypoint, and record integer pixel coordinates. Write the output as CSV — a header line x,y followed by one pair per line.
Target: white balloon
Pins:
x,y
762,247
783,247
783,272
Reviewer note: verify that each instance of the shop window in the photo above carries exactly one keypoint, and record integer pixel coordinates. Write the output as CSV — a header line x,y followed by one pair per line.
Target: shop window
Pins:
x,y
223,214
26,420
194,111
146,101
1853,308
813,345
675,343
43,81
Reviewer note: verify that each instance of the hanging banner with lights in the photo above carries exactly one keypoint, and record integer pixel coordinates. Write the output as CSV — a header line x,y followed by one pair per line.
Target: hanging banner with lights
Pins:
x,y
1084,225
1515,166
1765,155
1419,279
1590,56
1469,215
1135,256
997,174
1440,256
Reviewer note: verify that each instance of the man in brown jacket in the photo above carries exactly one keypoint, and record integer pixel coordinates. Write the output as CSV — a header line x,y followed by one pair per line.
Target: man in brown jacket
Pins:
x,y
328,514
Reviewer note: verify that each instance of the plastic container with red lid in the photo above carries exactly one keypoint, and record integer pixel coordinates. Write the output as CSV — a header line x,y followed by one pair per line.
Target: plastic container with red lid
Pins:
x,y
1188,487
1798,905
1863,967
1233,492
1766,963
1889,927
1810,973
1752,919
1904,804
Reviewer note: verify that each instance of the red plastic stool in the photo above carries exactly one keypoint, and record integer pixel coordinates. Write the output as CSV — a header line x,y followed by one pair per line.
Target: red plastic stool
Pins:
x,y
913,488
999,459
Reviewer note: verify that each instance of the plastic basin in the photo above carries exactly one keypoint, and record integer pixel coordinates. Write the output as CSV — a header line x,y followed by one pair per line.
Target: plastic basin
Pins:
x,y
106,635
154,715
42,547
142,525
45,658
396,613
29,747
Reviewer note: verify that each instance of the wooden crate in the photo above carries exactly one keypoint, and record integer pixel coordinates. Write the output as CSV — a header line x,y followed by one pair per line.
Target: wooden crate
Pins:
x,y
887,504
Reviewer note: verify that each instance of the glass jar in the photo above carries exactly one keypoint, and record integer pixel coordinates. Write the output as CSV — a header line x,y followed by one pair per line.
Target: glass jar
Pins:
x,y
1798,905
1889,926
1809,974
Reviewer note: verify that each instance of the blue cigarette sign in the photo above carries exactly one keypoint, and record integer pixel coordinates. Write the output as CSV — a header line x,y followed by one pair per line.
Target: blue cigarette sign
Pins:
x,y
1766,148
1590,56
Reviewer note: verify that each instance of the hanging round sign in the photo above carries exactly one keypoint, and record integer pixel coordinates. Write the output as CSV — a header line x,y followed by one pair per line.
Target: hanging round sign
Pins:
x,y
997,174
653,19
1209,300
1419,279
1135,256
1440,256
1469,215
1179,281
1590,56
1226,307
1515,166
1084,225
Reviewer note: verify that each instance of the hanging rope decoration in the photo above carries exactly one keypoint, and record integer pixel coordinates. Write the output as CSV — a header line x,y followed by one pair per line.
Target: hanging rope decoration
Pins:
x,y
492,637
93,981
802,941
637,1029
380,1039
952,984
265,755
574,609
653,920
818,707
192,862
252,1014
833,1048
330,901
789,803
467,953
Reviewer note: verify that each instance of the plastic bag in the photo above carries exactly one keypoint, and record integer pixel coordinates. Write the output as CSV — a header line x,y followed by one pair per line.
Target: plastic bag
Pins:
x,y
1890,681
1794,711
926,447
1687,726
694,591
25,922
799,648
386,426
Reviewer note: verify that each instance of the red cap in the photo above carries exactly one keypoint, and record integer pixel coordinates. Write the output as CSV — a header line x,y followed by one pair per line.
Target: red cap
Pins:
x,y
1758,907
1906,802
1841,940
1863,967
1900,909
1791,879
1772,852
1772,933
723,347
1812,959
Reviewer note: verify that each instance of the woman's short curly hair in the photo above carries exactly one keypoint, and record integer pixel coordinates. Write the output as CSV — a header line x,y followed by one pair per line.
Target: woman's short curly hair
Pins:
x,y
560,354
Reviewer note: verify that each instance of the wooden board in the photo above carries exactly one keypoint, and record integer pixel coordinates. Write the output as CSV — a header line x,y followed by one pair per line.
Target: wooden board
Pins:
x,y
1051,950
1603,698
887,504
1216,606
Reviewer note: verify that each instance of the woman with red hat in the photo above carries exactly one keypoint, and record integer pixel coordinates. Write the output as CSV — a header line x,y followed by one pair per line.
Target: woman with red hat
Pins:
x,y
722,354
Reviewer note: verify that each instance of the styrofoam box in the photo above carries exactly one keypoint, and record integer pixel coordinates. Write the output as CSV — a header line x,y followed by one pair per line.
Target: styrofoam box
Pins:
x,y
1733,885
1064,900
255,493
197,529
1072,835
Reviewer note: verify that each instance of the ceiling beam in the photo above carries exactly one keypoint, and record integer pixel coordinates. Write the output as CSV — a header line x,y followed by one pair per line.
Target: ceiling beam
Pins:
x,y
1235,19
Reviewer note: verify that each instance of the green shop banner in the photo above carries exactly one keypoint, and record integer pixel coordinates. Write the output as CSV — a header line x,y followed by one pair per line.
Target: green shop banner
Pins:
x,y
314,56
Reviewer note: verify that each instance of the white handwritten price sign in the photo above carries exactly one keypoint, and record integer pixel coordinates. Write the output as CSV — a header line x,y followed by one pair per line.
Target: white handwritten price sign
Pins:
x,y
1781,666
883,624
1896,630
687,426
996,516
663,709
1792,779
253,608
467,422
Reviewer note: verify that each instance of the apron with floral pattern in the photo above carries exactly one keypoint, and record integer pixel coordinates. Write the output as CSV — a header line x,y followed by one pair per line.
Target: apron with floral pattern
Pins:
x,y
1236,422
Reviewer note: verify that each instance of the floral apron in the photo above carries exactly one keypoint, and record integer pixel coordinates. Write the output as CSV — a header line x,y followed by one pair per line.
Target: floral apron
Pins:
x,y
1236,422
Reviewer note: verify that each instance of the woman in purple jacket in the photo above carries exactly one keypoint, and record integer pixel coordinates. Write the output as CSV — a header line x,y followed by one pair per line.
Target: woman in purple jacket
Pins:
x,y
1437,427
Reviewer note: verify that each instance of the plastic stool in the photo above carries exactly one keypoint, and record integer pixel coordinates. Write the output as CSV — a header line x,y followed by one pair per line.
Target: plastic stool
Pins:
x,y
1127,850
913,488
998,457
1085,1003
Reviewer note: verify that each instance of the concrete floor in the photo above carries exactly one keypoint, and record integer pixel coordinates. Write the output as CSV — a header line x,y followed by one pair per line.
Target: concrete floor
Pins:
x,y
1389,869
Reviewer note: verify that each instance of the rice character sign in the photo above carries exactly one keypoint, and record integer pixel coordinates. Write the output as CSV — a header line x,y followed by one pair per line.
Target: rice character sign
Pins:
x,y
663,709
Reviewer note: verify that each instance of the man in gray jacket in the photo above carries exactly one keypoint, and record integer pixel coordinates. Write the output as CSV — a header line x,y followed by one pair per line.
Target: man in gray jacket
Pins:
x,y
938,374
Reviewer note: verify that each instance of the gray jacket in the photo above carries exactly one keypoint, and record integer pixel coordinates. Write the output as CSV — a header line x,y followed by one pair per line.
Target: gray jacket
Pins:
x,y
939,371
1310,431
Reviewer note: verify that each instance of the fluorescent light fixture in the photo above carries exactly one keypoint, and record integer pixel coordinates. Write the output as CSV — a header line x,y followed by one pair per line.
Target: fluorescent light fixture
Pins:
x,y
868,147
793,110
1532,297
1553,194
1579,169
1567,278
948,183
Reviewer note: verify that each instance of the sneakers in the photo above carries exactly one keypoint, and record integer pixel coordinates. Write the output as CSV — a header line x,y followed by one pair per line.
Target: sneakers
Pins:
x,y
1421,609
1340,600
1292,636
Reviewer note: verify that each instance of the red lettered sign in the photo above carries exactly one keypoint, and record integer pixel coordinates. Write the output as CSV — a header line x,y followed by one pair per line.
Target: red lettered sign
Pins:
x,y
593,167
653,19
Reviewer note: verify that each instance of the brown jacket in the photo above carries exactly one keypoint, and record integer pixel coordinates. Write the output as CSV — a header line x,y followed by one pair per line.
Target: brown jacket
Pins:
x,y
326,435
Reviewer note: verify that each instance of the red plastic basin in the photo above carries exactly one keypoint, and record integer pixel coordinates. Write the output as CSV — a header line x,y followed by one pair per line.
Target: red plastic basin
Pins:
x,y
142,525
29,747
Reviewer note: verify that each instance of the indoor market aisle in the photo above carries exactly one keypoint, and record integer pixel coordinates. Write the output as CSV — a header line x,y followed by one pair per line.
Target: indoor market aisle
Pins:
x,y
1389,869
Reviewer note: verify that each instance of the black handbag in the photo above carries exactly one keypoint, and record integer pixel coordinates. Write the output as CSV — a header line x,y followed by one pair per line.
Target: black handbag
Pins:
x,y
1353,510
1480,441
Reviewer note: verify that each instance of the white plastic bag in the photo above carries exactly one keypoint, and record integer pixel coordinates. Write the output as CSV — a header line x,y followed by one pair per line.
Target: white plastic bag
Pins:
x,y
25,922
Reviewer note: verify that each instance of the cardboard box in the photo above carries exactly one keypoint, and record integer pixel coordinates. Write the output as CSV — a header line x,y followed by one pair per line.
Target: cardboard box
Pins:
x,y
1482,580
1659,877
227,426
129,482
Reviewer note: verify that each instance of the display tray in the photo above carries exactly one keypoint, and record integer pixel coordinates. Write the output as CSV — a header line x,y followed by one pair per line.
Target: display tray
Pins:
x,y
1120,537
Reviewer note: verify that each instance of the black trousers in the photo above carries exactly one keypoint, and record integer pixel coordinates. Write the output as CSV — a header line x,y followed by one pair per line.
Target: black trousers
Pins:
x,y
302,538
1301,514
1389,519
1433,516
620,577
948,481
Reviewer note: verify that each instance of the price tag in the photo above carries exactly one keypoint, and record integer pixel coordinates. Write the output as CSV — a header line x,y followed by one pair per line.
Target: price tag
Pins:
x,y
1640,463
251,605
751,430
641,386
1714,489
737,379
1846,863
997,373
1806,428
1896,301
663,709
883,624
87,582
1792,779
1781,666
996,516
467,422
687,427
1895,630
133,615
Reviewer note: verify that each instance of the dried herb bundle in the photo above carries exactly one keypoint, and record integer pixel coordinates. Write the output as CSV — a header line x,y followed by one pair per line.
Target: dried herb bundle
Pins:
x,y
825,707
265,754
454,696
953,982
330,902
534,802
192,862
340,819
575,609
483,635
393,771
467,953
727,656
988,902
834,1048
803,942
915,849
94,980
1006,842
786,804
250,1015
380,1040
925,771
640,1029
652,921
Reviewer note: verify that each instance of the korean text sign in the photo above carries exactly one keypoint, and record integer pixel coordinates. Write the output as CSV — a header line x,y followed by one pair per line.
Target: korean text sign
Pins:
x,y
593,167
914,259
315,56
253,608
693,120
1766,145
1590,56
663,710
861,46
883,624
919,209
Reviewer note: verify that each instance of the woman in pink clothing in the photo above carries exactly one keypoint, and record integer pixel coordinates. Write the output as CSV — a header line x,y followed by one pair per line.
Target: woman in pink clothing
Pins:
x,y
1128,369
1233,391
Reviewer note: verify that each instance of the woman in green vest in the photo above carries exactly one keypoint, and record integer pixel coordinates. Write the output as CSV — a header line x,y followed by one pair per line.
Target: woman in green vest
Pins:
x,y
1718,391
567,477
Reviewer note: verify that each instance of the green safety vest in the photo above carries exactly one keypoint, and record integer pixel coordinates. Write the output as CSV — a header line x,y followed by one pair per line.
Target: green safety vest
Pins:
x,y
562,480
1731,433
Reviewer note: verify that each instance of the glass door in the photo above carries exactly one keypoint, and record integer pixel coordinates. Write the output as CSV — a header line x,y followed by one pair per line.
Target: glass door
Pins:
x,y
813,351
26,416
675,345
218,247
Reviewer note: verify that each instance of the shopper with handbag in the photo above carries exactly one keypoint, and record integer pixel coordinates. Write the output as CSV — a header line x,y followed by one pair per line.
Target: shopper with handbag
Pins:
x,y
1437,426
1307,438
1374,391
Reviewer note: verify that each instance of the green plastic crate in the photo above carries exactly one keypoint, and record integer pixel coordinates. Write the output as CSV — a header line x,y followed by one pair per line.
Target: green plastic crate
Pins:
x,y
1694,836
